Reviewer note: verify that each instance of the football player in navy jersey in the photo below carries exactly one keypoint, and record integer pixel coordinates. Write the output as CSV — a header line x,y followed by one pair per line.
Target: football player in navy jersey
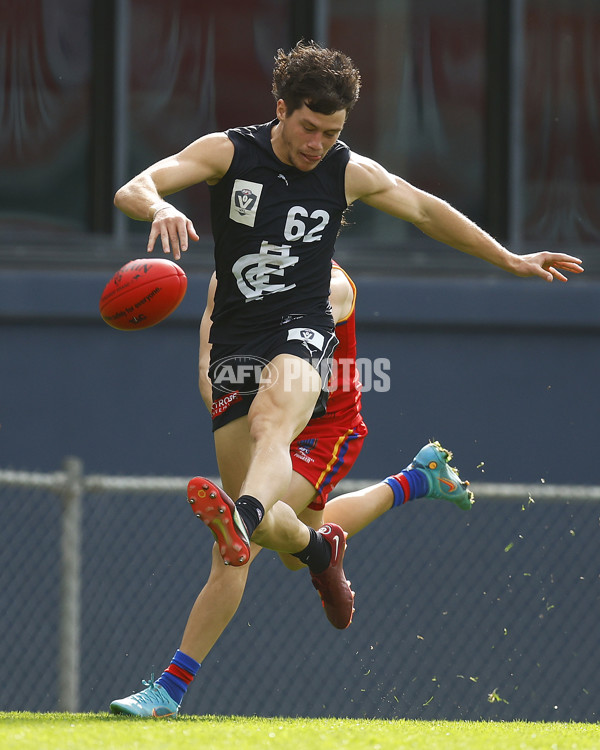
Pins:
x,y
322,455
278,194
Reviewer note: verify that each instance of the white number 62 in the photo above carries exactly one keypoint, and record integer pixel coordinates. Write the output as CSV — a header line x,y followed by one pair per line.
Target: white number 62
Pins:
x,y
295,226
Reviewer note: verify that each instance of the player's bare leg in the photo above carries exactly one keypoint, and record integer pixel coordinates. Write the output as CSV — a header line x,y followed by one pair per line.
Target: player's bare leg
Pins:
x,y
278,413
261,440
215,605
356,510
219,600
232,447
280,528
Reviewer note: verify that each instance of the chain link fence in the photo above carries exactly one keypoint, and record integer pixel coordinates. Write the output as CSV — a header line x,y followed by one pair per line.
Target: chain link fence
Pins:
x,y
489,614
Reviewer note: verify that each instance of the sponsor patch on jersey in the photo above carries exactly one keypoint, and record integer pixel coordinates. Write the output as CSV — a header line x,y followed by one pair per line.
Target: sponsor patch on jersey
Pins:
x,y
308,336
221,405
245,198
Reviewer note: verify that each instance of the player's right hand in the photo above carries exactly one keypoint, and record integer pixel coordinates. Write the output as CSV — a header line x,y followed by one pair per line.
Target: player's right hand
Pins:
x,y
174,229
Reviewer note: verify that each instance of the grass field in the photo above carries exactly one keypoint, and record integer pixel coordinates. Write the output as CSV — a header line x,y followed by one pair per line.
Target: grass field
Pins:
x,y
30,731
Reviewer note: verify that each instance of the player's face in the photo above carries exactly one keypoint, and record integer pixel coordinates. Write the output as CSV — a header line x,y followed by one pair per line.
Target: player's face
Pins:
x,y
303,138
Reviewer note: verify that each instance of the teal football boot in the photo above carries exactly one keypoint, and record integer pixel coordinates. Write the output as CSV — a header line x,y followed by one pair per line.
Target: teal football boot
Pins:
x,y
154,701
444,482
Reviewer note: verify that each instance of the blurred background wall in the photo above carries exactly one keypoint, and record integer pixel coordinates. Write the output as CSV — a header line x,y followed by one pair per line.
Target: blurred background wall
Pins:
x,y
493,106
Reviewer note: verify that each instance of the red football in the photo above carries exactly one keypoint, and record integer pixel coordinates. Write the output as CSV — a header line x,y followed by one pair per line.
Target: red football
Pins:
x,y
142,293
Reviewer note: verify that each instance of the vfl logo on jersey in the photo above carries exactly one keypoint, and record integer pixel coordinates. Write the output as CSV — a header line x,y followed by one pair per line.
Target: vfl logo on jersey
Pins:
x,y
253,271
245,198
307,336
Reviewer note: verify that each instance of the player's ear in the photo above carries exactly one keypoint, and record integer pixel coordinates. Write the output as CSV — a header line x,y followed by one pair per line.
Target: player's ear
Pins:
x,y
280,110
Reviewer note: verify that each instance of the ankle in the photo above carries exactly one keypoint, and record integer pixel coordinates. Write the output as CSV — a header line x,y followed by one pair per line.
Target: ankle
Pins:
x,y
251,512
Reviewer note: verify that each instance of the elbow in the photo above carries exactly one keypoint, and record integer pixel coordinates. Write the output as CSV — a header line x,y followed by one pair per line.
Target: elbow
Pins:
x,y
119,199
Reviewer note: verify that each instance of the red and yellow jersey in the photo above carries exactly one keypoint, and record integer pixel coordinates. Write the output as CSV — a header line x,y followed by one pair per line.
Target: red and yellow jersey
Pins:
x,y
344,402
325,451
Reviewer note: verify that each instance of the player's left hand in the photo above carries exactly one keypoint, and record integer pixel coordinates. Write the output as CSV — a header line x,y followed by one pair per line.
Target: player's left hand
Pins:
x,y
548,266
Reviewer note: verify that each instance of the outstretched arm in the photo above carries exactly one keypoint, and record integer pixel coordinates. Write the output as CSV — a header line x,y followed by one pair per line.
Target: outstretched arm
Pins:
x,y
368,181
143,197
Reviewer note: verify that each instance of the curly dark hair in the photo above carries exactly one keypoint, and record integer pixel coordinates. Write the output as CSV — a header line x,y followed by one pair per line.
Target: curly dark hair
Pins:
x,y
326,80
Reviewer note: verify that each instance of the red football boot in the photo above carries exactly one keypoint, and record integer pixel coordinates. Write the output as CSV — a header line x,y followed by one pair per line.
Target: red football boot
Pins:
x,y
335,592
217,510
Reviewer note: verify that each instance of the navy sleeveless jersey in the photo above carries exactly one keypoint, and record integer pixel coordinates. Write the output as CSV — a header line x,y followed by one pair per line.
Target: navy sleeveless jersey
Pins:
x,y
274,230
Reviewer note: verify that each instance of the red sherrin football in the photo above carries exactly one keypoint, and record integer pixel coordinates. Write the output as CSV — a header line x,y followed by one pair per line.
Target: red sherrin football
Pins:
x,y
142,293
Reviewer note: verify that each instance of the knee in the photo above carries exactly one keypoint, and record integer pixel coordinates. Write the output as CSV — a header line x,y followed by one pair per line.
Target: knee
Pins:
x,y
268,425
259,425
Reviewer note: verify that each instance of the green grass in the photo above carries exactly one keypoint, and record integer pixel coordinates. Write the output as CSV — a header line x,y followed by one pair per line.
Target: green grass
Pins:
x,y
58,731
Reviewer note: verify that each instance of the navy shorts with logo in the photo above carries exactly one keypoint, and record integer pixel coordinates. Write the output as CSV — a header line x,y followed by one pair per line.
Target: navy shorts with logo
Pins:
x,y
235,370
